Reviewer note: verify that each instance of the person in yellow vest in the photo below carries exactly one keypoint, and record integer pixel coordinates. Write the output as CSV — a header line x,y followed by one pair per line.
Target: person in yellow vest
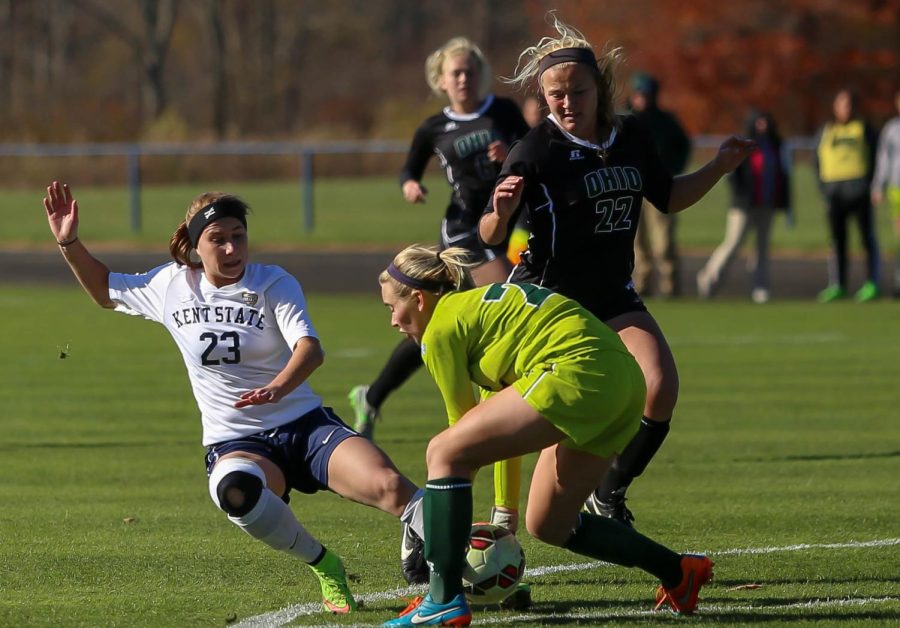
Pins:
x,y
844,162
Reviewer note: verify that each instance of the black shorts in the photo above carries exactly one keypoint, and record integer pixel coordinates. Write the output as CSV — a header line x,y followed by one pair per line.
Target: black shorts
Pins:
x,y
616,303
604,304
455,233
301,448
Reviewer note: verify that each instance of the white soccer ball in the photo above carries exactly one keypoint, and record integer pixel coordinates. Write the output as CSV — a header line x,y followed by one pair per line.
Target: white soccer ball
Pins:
x,y
494,566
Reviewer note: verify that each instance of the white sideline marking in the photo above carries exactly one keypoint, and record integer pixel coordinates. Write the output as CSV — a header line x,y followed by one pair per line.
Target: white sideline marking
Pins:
x,y
289,613
804,546
543,571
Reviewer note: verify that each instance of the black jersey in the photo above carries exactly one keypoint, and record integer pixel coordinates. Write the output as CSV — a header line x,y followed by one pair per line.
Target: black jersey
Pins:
x,y
461,141
584,203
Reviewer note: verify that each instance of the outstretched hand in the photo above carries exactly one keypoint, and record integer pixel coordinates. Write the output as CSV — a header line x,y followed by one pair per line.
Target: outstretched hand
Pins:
x,y
258,397
62,212
732,152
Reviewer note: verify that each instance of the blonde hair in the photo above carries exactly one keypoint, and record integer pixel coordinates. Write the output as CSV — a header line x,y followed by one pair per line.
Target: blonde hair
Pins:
x,y
449,267
180,246
434,64
570,37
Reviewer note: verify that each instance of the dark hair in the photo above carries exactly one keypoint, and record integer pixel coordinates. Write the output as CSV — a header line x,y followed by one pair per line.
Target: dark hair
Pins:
x,y
644,83
180,246
771,133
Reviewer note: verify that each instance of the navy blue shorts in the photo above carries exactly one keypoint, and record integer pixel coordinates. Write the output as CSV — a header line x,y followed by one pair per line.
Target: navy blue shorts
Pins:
x,y
301,448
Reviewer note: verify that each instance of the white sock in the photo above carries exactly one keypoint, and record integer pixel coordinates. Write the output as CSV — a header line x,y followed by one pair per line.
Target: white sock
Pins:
x,y
414,513
273,522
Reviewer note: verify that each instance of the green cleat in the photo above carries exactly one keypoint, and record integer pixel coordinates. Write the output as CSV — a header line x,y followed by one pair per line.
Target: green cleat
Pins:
x,y
336,595
868,292
519,599
832,293
363,412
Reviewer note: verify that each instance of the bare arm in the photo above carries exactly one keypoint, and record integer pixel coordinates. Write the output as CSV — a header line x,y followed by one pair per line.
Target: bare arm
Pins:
x,y
420,152
687,189
494,226
62,216
307,357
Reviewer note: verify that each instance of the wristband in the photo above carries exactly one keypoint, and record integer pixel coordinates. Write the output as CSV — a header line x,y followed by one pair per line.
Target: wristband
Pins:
x,y
67,242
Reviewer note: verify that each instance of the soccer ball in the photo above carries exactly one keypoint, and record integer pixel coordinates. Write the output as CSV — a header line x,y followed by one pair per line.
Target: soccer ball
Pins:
x,y
494,565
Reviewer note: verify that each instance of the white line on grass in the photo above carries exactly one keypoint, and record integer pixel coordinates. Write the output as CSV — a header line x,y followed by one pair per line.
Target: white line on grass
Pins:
x,y
288,614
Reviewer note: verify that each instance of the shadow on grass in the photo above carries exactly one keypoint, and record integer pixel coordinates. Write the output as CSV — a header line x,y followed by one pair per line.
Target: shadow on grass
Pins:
x,y
804,615
775,610
820,457
7,446
723,584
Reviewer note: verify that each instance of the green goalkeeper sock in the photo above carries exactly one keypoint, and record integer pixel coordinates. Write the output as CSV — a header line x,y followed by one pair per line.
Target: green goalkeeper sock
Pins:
x,y
609,540
448,521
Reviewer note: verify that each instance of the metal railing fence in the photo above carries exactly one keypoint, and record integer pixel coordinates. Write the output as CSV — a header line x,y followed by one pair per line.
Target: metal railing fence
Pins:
x,y
306,153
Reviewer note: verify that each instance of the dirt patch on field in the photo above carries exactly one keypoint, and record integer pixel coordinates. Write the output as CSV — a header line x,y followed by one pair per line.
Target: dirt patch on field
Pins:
x,y
357,271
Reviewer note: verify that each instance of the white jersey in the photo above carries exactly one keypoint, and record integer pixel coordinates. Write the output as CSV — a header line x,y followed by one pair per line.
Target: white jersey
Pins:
x,y
232,339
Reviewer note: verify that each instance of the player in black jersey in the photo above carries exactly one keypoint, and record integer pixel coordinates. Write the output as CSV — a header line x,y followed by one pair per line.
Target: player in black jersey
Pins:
x,y
471,137
582,175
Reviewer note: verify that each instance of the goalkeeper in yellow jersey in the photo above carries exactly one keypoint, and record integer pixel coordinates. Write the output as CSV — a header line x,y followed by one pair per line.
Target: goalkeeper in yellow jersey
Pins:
x,y
563,384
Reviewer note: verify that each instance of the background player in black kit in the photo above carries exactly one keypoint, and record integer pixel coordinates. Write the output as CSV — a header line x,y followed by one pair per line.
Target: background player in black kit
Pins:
x,y
582,175
471,137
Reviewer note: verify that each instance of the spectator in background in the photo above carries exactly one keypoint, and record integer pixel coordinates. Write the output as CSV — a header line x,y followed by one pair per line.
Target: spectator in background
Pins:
x,y
533,110
843,162
759,188
654,244
886,184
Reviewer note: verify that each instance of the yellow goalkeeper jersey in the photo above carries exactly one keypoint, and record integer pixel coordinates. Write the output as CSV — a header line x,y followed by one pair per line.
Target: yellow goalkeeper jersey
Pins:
x,y
495,334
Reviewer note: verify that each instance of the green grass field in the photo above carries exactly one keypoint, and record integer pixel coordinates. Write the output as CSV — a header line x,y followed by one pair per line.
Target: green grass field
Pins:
x,y
783,464
364,213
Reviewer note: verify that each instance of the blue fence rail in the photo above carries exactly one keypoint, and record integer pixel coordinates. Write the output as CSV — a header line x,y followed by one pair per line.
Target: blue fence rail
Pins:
x,y
305,152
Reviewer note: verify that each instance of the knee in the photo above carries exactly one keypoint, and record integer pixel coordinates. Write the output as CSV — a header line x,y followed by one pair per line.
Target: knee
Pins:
x,y
546,530
443,458
235,485
436,454
392,491
662,392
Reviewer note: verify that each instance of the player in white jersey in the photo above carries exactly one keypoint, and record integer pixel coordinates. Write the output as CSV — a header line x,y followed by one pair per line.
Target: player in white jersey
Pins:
x,y
249,346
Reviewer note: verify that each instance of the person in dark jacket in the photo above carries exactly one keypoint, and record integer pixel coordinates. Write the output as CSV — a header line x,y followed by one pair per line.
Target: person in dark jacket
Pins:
x,y
654,244
760,187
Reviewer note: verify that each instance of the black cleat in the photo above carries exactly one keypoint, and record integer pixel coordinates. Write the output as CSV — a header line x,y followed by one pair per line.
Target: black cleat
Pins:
x,y
612,508
412,557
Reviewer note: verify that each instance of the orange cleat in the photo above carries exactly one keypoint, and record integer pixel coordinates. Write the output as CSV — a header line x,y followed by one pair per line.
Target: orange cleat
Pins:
x,y
696,571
